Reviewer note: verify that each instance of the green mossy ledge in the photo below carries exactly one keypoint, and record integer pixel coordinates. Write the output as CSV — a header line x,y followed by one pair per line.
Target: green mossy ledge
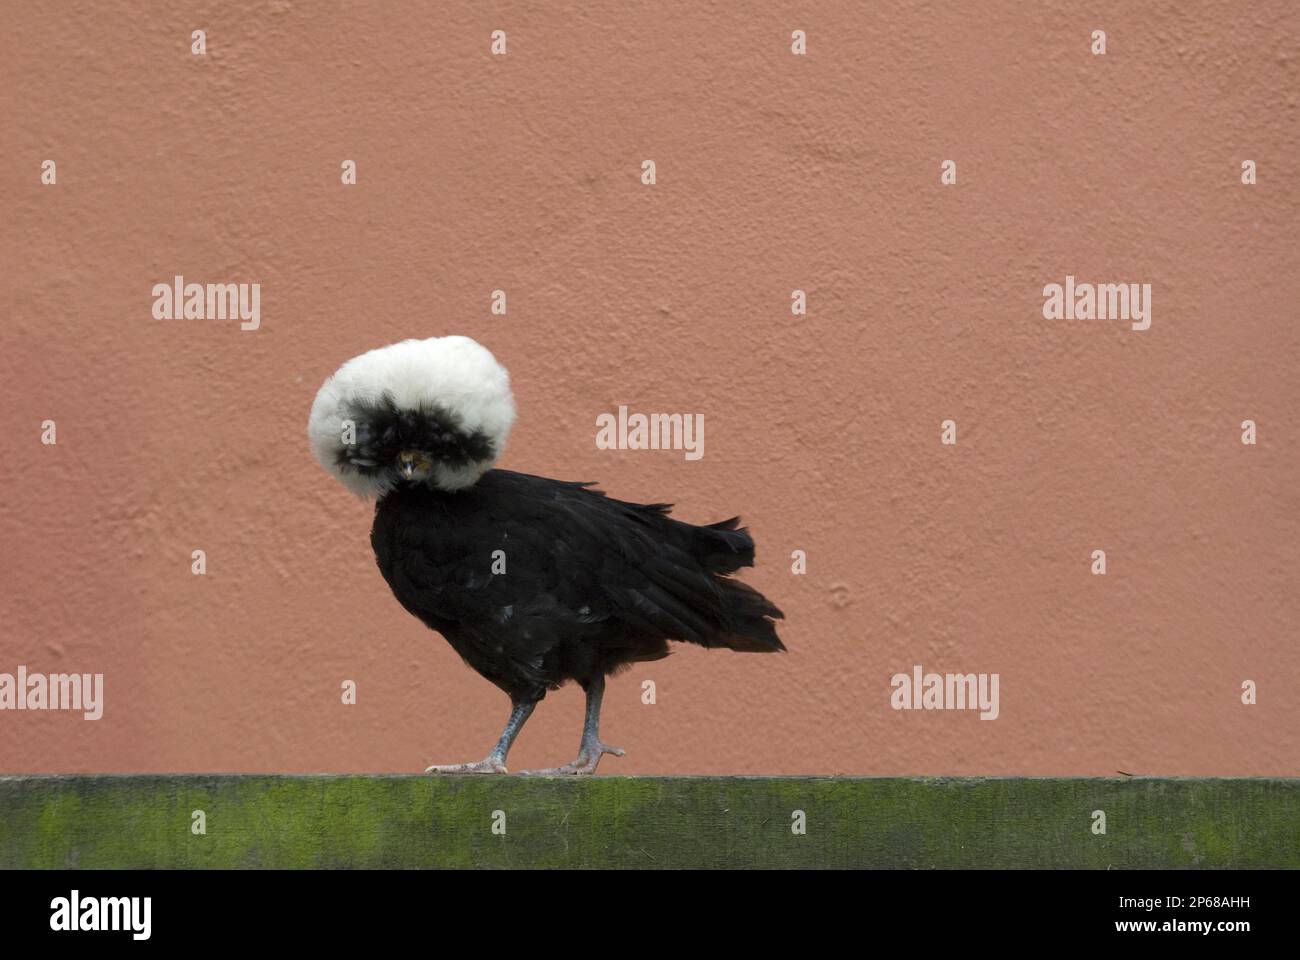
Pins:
x,y
644,822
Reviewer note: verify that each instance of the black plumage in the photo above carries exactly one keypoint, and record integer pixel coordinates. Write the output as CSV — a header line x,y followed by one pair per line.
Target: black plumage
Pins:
x,y
590,584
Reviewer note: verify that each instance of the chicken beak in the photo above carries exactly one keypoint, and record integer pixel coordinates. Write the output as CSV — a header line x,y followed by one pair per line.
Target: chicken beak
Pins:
x,y
411,462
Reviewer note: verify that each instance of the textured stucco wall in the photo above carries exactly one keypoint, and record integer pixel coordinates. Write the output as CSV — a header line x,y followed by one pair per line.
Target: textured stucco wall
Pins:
x,y
775,172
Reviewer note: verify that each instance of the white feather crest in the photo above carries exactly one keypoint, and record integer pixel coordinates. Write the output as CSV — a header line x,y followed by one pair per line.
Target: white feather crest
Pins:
x,y
454,373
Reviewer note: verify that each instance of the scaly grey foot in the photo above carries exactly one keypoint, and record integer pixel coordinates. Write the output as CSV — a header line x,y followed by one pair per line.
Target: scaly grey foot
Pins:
x,y
488,765
585,765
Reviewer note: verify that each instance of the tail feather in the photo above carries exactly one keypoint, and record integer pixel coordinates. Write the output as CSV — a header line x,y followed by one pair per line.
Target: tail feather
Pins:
x,y
725,546
748,619
746,615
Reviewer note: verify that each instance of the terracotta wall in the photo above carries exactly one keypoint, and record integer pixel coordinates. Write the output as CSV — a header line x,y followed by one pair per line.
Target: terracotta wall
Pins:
x,y
775,172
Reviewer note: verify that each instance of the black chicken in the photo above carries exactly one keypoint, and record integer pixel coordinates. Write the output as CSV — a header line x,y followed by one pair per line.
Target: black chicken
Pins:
x,y
532,581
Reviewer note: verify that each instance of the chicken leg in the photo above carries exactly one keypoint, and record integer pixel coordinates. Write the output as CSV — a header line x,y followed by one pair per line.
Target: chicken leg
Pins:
x,y
592,748
494,762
